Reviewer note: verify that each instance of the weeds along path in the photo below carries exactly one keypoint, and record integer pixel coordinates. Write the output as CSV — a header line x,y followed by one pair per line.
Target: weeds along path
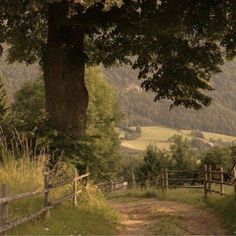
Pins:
x,y
152,217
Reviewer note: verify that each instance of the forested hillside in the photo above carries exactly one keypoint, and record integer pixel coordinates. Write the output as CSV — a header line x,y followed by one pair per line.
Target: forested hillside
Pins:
x,y
140,109
15,75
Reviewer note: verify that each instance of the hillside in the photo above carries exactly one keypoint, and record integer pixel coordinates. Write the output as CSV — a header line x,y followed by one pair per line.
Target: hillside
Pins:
x,y
160,136
140,109
15,75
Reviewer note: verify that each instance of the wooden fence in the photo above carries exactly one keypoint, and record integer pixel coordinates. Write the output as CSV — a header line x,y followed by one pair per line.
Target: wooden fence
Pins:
x,y
205,179
6,198
110,186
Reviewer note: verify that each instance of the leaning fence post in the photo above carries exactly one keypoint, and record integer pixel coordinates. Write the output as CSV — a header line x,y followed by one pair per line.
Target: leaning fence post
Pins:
x,y
221,181
4,207
133,179
205,180
162,180
166,179
148,180
75,187
87,178
46,194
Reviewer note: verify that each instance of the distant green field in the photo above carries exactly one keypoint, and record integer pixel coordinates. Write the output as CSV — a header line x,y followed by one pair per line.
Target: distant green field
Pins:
x,y
159,135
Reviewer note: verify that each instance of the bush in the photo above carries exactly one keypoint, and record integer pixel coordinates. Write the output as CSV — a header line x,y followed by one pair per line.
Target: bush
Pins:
x,y
182,154
199,144
218,157
197,134
154,161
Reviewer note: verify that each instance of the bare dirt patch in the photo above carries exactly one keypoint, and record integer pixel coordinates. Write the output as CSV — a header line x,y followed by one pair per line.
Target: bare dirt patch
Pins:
x,y
153,217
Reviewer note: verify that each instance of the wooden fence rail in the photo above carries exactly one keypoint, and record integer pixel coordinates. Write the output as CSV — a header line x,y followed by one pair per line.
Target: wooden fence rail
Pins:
x,y
110,186
6,199
210,177
206,179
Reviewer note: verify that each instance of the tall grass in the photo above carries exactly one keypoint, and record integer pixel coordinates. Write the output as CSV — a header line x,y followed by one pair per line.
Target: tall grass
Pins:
x,y
20,167
23,170
93,216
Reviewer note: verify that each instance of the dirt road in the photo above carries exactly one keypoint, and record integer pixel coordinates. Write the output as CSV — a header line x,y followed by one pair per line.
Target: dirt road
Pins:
x,y
153,217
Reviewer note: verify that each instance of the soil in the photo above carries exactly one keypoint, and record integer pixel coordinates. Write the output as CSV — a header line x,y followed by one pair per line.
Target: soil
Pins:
x,y
143,216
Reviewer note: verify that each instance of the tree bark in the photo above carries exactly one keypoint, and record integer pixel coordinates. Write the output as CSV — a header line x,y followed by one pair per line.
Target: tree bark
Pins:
x,y
64,71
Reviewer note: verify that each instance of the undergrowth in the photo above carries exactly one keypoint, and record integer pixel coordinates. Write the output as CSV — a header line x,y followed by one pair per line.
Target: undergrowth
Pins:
x,y
23,171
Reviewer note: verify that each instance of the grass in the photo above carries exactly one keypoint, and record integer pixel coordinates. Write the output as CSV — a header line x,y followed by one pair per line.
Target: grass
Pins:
x,y
23,172
169,225
93,216
159,135
225,207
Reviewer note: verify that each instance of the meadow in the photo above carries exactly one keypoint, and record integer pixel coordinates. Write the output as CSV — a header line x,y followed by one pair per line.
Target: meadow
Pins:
x,y
160,136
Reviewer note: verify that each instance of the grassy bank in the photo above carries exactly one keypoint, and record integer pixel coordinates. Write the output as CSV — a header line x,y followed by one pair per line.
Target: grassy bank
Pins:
x,y
93,216
225,207
23,172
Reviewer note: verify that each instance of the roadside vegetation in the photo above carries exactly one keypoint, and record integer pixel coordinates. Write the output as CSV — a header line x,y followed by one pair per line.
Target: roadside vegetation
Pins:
x,y
93,216
24,172
28,146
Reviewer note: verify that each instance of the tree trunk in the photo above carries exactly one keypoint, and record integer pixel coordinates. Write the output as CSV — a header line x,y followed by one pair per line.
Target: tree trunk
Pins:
x,y
64,67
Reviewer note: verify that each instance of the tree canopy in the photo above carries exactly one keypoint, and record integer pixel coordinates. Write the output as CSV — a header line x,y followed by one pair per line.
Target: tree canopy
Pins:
x,y
174,46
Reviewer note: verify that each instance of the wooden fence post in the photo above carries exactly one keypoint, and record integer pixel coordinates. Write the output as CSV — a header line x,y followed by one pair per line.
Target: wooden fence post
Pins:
x,y
75,188
162,180
87,171
210,178
205,180
234,183
156,181
148,181
46,194
112,186
133,179
221,181
4,207
166,179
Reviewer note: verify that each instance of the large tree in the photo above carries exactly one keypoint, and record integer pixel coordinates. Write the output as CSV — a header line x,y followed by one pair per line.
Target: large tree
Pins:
x,y
175,45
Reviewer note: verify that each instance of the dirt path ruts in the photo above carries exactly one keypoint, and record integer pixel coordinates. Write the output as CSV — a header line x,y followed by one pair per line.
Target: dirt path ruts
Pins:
x,y
142,217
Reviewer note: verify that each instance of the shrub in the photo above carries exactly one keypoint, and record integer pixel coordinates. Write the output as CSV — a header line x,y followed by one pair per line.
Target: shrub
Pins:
x,y
218,157
197,134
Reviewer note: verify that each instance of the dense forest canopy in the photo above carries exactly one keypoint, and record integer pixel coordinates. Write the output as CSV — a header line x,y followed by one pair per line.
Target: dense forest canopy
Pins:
x,y
176,47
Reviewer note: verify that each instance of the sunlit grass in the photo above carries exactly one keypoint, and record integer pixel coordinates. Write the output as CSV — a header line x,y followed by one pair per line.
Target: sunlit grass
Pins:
x,y
170,225
93,216
23,171
160,135
20,167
